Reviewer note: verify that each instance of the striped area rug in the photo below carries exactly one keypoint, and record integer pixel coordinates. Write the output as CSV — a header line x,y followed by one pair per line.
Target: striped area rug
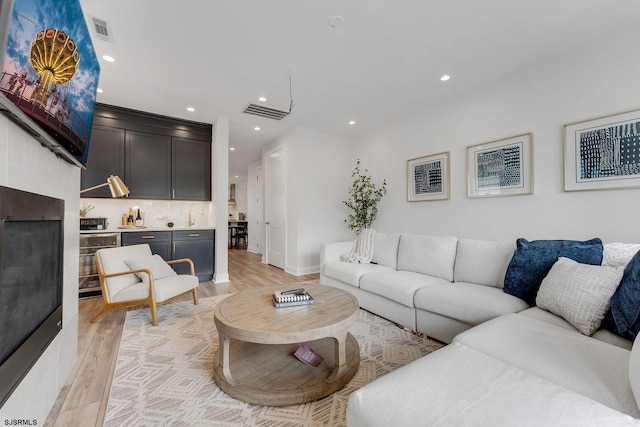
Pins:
x,y
164,374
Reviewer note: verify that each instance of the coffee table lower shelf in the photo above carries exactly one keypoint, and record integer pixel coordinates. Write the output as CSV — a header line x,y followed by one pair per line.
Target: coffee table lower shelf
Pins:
x,y
269,374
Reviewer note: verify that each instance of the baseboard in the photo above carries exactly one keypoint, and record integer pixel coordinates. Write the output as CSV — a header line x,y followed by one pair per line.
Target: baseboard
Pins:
x,y
221,278
303,271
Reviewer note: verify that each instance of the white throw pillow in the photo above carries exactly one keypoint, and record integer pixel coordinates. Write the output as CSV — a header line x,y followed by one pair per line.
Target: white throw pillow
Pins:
x,y
580,293
615,254
158,267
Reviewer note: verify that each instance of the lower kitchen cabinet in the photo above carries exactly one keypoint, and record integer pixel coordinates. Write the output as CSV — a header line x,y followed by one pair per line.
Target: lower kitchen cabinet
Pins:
x,y
198,246
170,245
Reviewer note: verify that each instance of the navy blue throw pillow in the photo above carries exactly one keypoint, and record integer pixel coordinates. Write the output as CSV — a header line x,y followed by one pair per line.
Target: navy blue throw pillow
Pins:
x,y
532,261
624,316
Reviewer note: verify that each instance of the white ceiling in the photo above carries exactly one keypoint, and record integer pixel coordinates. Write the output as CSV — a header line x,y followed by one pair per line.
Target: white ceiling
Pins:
x,y
383,63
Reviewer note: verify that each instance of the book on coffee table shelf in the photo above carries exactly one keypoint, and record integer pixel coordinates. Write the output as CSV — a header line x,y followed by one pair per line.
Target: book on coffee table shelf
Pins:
x,y
292,298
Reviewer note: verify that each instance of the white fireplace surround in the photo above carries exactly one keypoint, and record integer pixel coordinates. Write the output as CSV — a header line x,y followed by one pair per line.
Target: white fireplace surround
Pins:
x,y
26,165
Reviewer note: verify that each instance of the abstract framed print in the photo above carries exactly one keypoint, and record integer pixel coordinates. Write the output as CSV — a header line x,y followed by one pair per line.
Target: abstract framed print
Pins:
x,y
428,178
603,153
501,168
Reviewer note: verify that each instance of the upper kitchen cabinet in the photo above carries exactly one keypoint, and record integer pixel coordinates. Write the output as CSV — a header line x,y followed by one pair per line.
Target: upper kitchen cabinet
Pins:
x,y
148,165
157,157
191,169
107,158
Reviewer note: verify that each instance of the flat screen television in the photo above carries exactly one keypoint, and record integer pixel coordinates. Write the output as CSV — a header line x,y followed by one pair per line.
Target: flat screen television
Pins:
x,y
50,73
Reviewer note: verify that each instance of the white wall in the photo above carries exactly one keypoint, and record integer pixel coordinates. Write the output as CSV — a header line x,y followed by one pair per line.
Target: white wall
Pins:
x,y
587,84
26,165
317,170
324,162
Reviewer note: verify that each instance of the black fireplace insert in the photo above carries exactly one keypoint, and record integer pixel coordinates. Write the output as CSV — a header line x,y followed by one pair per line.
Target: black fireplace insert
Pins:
x,y
31,281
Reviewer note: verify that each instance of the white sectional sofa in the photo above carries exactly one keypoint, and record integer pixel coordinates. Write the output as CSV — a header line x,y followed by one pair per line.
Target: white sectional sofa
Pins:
x,y
436,285
508,364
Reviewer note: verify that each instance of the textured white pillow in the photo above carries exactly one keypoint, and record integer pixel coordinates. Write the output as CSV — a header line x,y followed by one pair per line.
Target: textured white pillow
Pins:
x,y
580,293
158,267
615,254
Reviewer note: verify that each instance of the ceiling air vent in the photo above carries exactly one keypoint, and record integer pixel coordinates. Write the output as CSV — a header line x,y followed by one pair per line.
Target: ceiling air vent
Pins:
x,y
102,29
267,112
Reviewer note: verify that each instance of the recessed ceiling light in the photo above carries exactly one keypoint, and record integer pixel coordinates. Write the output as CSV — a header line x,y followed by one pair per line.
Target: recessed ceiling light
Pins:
x,y
191,109
108,58
236,176
336,21
262,99
232,149
100,90
256,128
352,122
445,78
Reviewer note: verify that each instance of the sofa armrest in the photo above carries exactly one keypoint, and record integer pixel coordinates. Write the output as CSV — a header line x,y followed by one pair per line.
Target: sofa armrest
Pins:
x,y
331,252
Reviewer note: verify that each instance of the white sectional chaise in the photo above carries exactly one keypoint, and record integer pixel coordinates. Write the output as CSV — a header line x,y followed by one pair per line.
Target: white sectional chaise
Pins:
x,y
507,363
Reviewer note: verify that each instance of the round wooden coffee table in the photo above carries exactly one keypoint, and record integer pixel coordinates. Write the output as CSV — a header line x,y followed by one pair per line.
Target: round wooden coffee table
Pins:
x,y
255,361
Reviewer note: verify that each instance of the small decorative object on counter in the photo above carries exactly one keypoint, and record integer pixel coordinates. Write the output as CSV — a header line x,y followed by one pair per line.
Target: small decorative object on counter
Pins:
x,y
169,224
124,219
139,222
130,220
85,209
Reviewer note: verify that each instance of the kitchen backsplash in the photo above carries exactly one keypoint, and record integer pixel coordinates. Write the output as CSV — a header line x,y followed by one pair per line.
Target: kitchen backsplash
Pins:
x,y
156,213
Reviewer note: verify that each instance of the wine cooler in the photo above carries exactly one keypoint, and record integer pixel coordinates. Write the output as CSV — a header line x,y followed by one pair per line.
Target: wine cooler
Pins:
x,y
89,283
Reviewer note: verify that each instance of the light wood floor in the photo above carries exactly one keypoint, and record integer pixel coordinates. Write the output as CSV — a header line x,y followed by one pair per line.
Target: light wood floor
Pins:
x,y
83,399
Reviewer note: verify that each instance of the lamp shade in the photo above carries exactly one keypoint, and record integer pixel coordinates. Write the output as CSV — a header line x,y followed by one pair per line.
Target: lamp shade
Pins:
x,y
117,187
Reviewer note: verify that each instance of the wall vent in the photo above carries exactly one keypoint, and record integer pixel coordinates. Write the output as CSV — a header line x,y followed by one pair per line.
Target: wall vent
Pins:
x,y
102,29
270,113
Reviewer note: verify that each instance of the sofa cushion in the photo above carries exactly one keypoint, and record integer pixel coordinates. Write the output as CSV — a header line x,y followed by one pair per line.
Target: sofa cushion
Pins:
x,y
634,372
467,302
350,273
532,261
601,334
482,261
579,293
624,318
385,249
398,286
431,255
459,386
587,366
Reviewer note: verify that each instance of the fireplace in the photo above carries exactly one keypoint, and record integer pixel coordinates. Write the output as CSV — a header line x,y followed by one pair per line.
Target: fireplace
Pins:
x,y
31,276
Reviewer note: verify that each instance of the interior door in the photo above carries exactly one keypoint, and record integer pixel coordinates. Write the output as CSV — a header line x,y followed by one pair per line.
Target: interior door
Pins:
x,y
275,220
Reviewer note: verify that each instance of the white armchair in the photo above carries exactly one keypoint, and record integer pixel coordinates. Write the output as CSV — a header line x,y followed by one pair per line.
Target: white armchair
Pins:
x,y
131,275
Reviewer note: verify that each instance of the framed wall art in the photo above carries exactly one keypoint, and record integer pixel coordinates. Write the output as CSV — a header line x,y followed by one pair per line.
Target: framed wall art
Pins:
x,y
500,168
603,153
428,178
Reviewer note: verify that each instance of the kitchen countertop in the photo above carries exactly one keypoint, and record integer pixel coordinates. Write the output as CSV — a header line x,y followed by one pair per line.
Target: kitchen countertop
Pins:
x,y
139,229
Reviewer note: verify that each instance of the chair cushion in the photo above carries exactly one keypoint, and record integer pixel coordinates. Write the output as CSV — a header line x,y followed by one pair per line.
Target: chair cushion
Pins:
x,y
165,288
398,286
532,261
467,302
112,260
483,262
158,267
431,255
579,293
